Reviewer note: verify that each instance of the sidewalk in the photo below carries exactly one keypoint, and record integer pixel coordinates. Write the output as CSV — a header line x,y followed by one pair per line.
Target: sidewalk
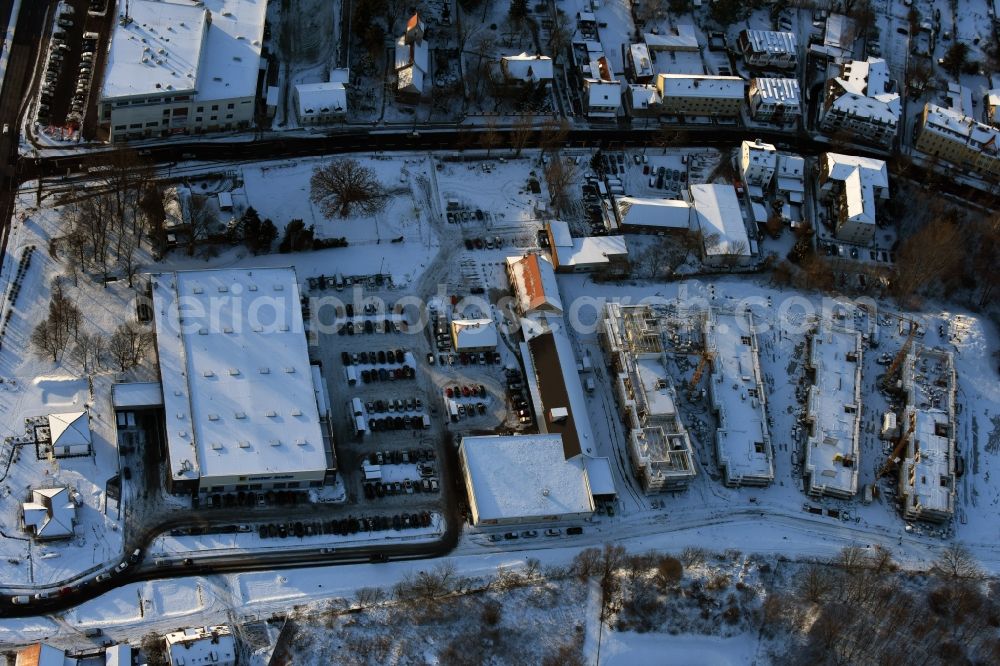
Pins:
x,y
8,40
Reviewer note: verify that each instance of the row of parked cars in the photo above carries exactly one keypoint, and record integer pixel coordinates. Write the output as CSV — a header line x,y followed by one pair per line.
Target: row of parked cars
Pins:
x,y
518,399
344,526
461,216
370,326
375,489
481,243
401,457
381,357
394,405
398,423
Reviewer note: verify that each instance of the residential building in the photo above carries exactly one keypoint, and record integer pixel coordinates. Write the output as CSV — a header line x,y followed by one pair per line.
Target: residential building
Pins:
x,y
246,409
517,479
533,280
993,107
775,100
861,103
602,93
201,646
791,179
319,103
412,61
701,94
69,434
768,48
653,216
758,161
743,445
658,443
639,64
526,72
719,217
642,101
959,98
49,514
177,68
682,37
852,186
473,335
587,253
964,142
43,654
928,470
833,412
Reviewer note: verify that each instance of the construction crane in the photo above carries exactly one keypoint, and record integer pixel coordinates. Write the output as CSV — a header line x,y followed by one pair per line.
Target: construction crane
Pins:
x,y
890,374
897,450
706,358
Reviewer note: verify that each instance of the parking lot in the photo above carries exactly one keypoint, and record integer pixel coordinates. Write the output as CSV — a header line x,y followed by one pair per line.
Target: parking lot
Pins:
x,y
74,61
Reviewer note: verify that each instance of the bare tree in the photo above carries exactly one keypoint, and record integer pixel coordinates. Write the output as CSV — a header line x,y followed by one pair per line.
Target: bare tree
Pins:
x,y
49,339
343,185
560,176
956,561
815,583
560,35
669,572
524,127
933,254
489,137
129,345
201,222
552,134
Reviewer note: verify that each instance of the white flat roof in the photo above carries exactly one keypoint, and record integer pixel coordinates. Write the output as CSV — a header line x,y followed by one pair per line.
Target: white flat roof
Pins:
x,y
158,51
237,382
211,48
738,397
700,85
642,64
665,213
473,333
718,213
524,476
832,453
137,394
321,98
681,37
201,645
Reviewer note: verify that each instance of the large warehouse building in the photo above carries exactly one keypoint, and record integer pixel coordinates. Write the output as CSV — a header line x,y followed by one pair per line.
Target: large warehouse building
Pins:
x,y
182,67
245,409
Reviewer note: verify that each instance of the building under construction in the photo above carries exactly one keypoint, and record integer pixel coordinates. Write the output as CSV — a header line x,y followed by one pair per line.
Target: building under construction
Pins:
x,y
634,340
925,451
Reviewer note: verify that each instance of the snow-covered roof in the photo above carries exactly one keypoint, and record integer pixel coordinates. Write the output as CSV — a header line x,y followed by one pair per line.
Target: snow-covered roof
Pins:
x,y
683,37
959,98
51,513
176,205
977,136
773,90
473,333
700,85
839,34
599,476
237,382
534,282
320,99
861,91
834,408
718,213
410,79
159,50
70,429
791,166
201,645
642,64
118,655
643,96
585,250
211,48
526,67
743,445
603,93
759,153
524,477
654,213
416,54
771,41
861,177
552,370
137,394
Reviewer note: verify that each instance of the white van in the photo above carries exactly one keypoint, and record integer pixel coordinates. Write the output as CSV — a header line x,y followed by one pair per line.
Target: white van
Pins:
x,y
352,375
